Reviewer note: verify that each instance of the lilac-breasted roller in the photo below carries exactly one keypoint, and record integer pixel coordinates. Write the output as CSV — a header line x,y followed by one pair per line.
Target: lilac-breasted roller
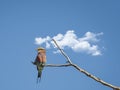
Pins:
x,y
40,61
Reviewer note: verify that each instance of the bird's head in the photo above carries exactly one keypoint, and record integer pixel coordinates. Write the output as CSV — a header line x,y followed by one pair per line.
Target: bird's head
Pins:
x,y
40,49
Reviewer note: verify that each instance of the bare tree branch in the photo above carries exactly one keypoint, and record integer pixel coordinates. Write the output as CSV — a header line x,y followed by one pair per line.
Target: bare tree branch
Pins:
x,y
65,55
80,69
95,78
57,65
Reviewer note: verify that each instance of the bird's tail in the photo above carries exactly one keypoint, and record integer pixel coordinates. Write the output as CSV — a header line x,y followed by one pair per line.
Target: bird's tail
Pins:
x,y
39,68
39,74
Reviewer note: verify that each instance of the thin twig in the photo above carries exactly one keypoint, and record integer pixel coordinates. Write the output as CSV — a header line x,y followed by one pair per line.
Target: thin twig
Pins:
x,y
57,65
61,50
82,70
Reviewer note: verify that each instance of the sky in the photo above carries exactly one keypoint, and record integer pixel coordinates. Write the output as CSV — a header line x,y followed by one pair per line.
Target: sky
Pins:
x,y
87,30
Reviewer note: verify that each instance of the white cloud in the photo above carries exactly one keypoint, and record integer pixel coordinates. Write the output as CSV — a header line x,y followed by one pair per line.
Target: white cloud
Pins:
x,y
40,41
89,36
47,45
84,44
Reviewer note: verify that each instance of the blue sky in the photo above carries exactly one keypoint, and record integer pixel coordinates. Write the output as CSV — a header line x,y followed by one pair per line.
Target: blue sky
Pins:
x,y
21,21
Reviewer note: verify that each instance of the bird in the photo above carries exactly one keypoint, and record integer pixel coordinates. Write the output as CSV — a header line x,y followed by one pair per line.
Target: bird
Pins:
x,y
40,61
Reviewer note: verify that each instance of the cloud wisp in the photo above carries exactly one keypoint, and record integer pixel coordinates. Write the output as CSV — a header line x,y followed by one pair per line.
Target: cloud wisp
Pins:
x,y
86,44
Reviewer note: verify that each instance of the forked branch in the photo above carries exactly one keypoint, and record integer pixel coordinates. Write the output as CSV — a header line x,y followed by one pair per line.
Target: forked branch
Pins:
x,y
80,69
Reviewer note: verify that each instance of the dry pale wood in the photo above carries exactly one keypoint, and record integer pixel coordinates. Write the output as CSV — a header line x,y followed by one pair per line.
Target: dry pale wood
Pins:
x,y
57,65
80,69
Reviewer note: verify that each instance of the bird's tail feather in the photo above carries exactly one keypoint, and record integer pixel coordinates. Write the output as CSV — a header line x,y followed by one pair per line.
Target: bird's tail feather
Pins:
x,y
39,76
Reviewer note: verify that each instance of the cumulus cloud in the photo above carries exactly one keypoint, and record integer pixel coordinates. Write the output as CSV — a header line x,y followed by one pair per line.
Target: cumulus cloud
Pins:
x,y
39,41
87,43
